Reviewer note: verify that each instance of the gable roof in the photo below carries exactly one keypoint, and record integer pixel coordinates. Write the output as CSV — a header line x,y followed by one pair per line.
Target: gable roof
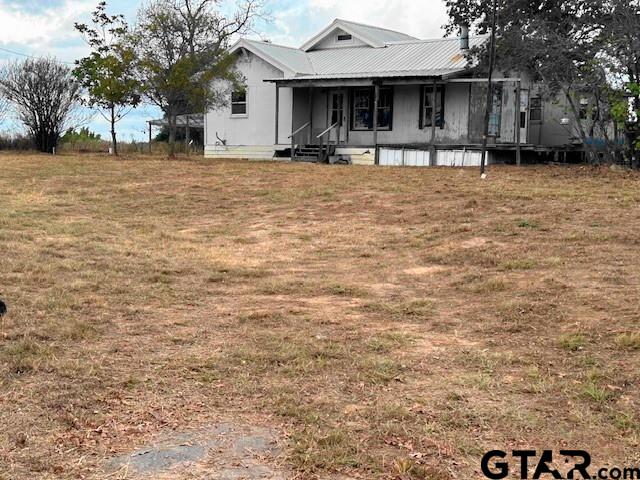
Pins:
x,y
287,59
373,36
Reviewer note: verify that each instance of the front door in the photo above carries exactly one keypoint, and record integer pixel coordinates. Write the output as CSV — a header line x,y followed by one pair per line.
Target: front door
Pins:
x,y
338,114
524,116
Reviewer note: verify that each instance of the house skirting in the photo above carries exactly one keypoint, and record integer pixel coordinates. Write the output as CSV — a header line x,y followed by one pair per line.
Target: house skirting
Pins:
x,y
358,155
240,152
388,155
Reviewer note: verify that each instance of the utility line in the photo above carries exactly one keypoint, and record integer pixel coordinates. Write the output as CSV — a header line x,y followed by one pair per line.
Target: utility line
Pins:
x,y
13,52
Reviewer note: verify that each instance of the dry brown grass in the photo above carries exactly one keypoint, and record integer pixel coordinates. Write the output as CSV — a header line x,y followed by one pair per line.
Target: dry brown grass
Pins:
x,y
390,323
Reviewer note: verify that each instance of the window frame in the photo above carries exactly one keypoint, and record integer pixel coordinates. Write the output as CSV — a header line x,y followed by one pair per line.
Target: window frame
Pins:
x,y
245,91
373,115
538,108
587,111
425,121
347,38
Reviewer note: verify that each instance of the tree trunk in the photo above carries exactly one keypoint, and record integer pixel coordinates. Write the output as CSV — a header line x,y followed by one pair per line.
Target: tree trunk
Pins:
x,y
583,135
45,140
114,142
633,153
603,124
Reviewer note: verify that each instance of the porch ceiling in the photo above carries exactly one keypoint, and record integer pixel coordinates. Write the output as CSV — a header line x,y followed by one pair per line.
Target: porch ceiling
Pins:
x,y
402,78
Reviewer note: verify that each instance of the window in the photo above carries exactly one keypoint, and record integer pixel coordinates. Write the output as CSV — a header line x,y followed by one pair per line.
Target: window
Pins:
x,y
427,110
587,112
362,114
385,108
345,38
337,106
535,109
495,117
239,102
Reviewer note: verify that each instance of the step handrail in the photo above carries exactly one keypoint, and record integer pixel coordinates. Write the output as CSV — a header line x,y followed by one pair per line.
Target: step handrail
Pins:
x,y
335,125
299,129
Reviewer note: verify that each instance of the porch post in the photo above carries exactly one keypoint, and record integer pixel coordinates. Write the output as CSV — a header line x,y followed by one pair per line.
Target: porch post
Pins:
x,y
187,137
376,101
310,115
293,140
277,112
432,155
518,99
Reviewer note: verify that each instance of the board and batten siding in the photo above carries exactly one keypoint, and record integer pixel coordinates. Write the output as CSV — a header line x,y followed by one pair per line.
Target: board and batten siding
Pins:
x,y
251,135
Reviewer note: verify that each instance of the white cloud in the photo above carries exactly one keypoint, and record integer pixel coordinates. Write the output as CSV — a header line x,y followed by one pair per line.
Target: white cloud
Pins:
x,y
41,29
420,18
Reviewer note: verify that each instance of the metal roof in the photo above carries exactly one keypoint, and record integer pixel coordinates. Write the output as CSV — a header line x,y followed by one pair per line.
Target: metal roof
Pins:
x,y
196,120
399,56
420,57
293,59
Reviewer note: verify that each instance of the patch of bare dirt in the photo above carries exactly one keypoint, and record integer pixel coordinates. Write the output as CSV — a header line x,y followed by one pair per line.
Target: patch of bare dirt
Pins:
x,y
222,452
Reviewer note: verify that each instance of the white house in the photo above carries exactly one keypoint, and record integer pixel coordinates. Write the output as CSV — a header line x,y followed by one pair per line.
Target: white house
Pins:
x,y
366,94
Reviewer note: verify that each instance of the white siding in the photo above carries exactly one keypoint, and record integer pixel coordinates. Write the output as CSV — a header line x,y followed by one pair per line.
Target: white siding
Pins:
x,y
257,128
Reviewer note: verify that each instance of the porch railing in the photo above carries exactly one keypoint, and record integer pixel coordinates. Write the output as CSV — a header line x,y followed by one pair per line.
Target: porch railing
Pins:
x,y
324,152
295,132
293,138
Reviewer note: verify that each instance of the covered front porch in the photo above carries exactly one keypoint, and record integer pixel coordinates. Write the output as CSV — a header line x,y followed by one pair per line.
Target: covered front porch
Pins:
x,y
342,119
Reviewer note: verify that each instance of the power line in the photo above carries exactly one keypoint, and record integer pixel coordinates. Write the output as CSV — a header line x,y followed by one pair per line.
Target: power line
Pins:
x,y
13,52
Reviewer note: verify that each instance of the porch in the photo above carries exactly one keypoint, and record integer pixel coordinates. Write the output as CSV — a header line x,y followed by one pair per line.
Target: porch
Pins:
x,y
335,119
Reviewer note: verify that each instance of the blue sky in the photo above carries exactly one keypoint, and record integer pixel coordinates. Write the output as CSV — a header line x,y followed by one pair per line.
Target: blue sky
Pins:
x,y
45,27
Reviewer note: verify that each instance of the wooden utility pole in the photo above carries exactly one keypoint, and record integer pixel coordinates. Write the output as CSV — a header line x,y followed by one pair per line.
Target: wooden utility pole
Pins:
x,y
487,112
150,138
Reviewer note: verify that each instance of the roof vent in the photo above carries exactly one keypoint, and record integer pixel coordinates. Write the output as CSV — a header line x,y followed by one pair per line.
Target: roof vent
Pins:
x,y
464,37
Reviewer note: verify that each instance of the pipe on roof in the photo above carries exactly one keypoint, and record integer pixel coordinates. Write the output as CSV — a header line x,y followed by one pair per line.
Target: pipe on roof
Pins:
x,y
464,36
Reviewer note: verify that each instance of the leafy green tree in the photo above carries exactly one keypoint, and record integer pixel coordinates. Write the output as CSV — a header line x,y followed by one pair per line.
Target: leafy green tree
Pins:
x,y
620,44
83,135
182,60
108,74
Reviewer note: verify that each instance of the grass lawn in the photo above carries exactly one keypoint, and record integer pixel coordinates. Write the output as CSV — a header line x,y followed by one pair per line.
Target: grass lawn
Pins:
x,y
387,323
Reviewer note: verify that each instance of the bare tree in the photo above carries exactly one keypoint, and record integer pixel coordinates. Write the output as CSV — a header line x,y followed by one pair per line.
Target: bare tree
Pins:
x,y
4,109
181,46
45,97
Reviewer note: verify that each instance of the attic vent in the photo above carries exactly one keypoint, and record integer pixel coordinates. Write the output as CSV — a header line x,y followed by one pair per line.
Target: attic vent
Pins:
x,y
345,37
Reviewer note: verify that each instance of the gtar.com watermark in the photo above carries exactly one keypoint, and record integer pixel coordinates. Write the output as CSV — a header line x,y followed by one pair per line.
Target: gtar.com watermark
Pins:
x,y
531,464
